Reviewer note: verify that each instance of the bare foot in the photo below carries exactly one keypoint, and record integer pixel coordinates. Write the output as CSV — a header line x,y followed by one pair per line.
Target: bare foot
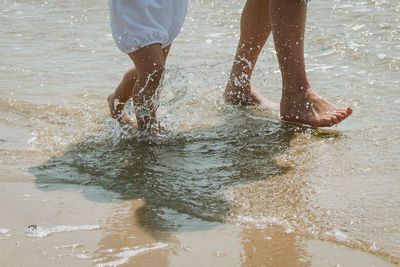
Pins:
x,y
309,108
238,95
116,110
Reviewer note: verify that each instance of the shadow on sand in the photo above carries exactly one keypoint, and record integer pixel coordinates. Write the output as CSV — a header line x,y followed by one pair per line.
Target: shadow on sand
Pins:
x,y
181,180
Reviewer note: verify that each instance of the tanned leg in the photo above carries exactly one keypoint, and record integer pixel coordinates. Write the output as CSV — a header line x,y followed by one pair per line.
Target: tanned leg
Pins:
x,y
118,98
254,31
299,103
149,62
124,91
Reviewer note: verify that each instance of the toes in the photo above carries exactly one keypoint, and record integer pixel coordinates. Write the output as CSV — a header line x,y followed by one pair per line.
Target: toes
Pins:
x,y
328,120
349,111
343,113
336,118
336,115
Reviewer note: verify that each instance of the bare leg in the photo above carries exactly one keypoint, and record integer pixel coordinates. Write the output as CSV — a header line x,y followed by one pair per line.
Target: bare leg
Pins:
x,y
118,98
149,62
254,31
124,91
300,103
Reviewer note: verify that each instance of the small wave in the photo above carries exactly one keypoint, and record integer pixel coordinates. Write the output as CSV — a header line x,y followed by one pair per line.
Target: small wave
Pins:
x,y
4,231
129,253
73,246
263,221
339,235
37,231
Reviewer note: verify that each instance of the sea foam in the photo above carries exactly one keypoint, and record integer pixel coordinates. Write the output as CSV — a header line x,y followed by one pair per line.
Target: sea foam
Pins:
x,y
37,231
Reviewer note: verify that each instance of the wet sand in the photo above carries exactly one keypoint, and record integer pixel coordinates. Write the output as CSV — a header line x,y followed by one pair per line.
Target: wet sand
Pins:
x,y
107,233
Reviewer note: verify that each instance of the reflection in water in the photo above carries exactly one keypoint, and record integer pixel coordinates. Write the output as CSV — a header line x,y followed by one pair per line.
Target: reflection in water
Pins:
x,y
179,179
124,242
272,247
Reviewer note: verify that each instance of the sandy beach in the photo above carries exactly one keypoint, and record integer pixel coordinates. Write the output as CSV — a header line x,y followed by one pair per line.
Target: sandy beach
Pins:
x,y
228,186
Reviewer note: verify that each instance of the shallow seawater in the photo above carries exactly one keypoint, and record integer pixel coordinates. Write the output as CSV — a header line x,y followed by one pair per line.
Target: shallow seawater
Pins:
x,y
218,164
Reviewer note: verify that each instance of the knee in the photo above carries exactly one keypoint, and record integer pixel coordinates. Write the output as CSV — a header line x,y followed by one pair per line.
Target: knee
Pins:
x,y
152,71
131,74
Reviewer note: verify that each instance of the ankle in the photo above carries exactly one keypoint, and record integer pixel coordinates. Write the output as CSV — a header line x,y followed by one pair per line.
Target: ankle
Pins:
x,y
297,88
238,83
